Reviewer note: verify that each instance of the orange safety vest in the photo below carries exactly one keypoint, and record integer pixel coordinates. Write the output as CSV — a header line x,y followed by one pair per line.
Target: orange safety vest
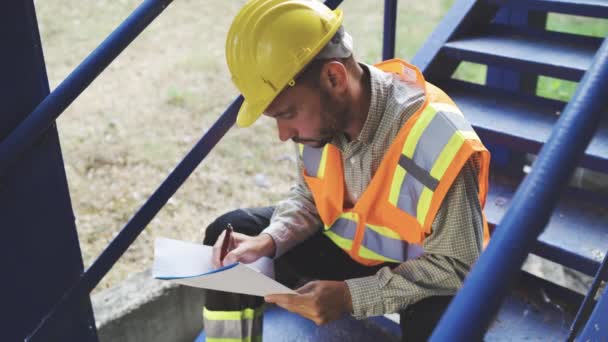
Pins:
x,y
396,211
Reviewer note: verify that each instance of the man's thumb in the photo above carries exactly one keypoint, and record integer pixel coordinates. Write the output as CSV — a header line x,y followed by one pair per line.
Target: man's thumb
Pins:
x,y
232,257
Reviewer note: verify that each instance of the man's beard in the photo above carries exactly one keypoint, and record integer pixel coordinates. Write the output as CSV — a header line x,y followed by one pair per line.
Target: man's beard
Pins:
x,y
334,119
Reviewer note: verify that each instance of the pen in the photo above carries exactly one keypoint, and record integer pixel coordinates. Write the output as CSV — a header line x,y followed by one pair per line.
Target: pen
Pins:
x,y
226,243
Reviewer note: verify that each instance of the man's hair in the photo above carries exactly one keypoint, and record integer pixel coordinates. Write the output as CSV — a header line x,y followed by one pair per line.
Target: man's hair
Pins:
x,y
338,48
311,74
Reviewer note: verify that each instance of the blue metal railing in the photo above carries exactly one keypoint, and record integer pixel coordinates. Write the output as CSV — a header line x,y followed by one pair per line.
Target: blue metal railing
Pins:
x,y
586,307
490,279
475,305
56,102
37,122
390,28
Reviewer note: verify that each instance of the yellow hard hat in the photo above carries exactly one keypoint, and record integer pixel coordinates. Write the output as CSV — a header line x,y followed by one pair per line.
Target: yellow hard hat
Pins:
x,y
269,43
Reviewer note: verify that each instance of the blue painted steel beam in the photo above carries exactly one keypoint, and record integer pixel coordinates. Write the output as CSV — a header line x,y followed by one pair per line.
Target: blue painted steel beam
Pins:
x,y
587,307
473,308
333,4
596,328
30,129
142,218
390,28
39,256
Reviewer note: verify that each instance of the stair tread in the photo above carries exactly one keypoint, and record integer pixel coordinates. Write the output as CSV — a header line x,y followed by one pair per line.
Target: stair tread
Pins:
x,y
576,235
530,313
591,8
519,122
548,53
524,314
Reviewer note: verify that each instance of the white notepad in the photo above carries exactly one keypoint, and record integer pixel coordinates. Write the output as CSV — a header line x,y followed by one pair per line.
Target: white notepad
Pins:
x,y
190,264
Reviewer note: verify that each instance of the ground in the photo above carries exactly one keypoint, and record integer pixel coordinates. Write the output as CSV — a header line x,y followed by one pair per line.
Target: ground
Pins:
x,y
135,122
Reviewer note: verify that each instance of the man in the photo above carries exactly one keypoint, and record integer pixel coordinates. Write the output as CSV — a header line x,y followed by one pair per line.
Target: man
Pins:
x,y
387,213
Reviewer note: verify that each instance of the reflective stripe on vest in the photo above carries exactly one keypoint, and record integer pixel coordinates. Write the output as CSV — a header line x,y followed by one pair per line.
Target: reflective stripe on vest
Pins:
x,y
233,326
314,160
381,243
342,232
428,151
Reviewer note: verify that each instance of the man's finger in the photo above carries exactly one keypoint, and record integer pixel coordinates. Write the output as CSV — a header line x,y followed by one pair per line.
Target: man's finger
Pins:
x,y
279,299
231,257
291,303
216,250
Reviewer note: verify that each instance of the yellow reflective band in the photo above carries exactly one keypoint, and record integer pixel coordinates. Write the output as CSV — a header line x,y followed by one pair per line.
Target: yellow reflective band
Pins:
x,y
421,124
447,155
446,107
350,215
322,163
369,254
232,315
441,165
424,203
244,339
338,240
301,149
398,178
385,231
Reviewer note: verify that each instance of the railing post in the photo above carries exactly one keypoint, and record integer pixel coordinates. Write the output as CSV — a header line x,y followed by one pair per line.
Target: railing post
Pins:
x,y
586,308
390,28
40,255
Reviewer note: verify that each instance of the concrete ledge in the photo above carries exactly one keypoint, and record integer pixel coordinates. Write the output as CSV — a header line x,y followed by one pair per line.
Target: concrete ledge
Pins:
x,y
144,309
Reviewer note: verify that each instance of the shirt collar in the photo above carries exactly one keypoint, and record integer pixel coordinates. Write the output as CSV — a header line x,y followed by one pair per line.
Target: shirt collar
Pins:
x,y
379,84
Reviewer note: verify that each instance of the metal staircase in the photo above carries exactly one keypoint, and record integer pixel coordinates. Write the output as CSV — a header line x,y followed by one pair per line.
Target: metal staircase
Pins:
x,y
510,118
508,36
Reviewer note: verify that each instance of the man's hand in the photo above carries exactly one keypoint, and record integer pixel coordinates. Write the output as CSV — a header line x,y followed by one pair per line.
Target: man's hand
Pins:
x,y
243,248
320,301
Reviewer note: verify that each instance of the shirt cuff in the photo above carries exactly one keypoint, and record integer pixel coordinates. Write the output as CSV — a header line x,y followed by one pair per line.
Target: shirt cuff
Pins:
x,y
281,236
366,296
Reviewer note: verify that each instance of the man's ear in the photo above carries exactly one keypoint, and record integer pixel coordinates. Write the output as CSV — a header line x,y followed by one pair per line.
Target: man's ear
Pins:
x,y
334,77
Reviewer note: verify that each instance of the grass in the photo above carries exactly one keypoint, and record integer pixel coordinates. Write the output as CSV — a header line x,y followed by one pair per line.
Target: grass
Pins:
x,y
133,124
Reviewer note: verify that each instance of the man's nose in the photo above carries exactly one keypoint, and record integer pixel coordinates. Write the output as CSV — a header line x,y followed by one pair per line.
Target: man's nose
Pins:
x,y
286,132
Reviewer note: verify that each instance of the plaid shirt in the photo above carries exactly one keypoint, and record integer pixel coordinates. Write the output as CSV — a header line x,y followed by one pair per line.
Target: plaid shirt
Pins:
x,y
457,231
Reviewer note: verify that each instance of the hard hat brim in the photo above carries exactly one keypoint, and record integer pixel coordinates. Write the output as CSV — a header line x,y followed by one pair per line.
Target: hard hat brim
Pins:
x,y
250,112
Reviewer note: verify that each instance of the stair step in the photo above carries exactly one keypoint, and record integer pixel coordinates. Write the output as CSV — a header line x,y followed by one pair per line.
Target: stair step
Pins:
x,y
554,54
282,325
519,122
589,8
576,235
536,310
598,318
528,313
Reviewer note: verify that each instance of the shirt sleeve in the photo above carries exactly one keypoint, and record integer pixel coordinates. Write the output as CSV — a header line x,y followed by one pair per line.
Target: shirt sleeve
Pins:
x,y
295,219
450,251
